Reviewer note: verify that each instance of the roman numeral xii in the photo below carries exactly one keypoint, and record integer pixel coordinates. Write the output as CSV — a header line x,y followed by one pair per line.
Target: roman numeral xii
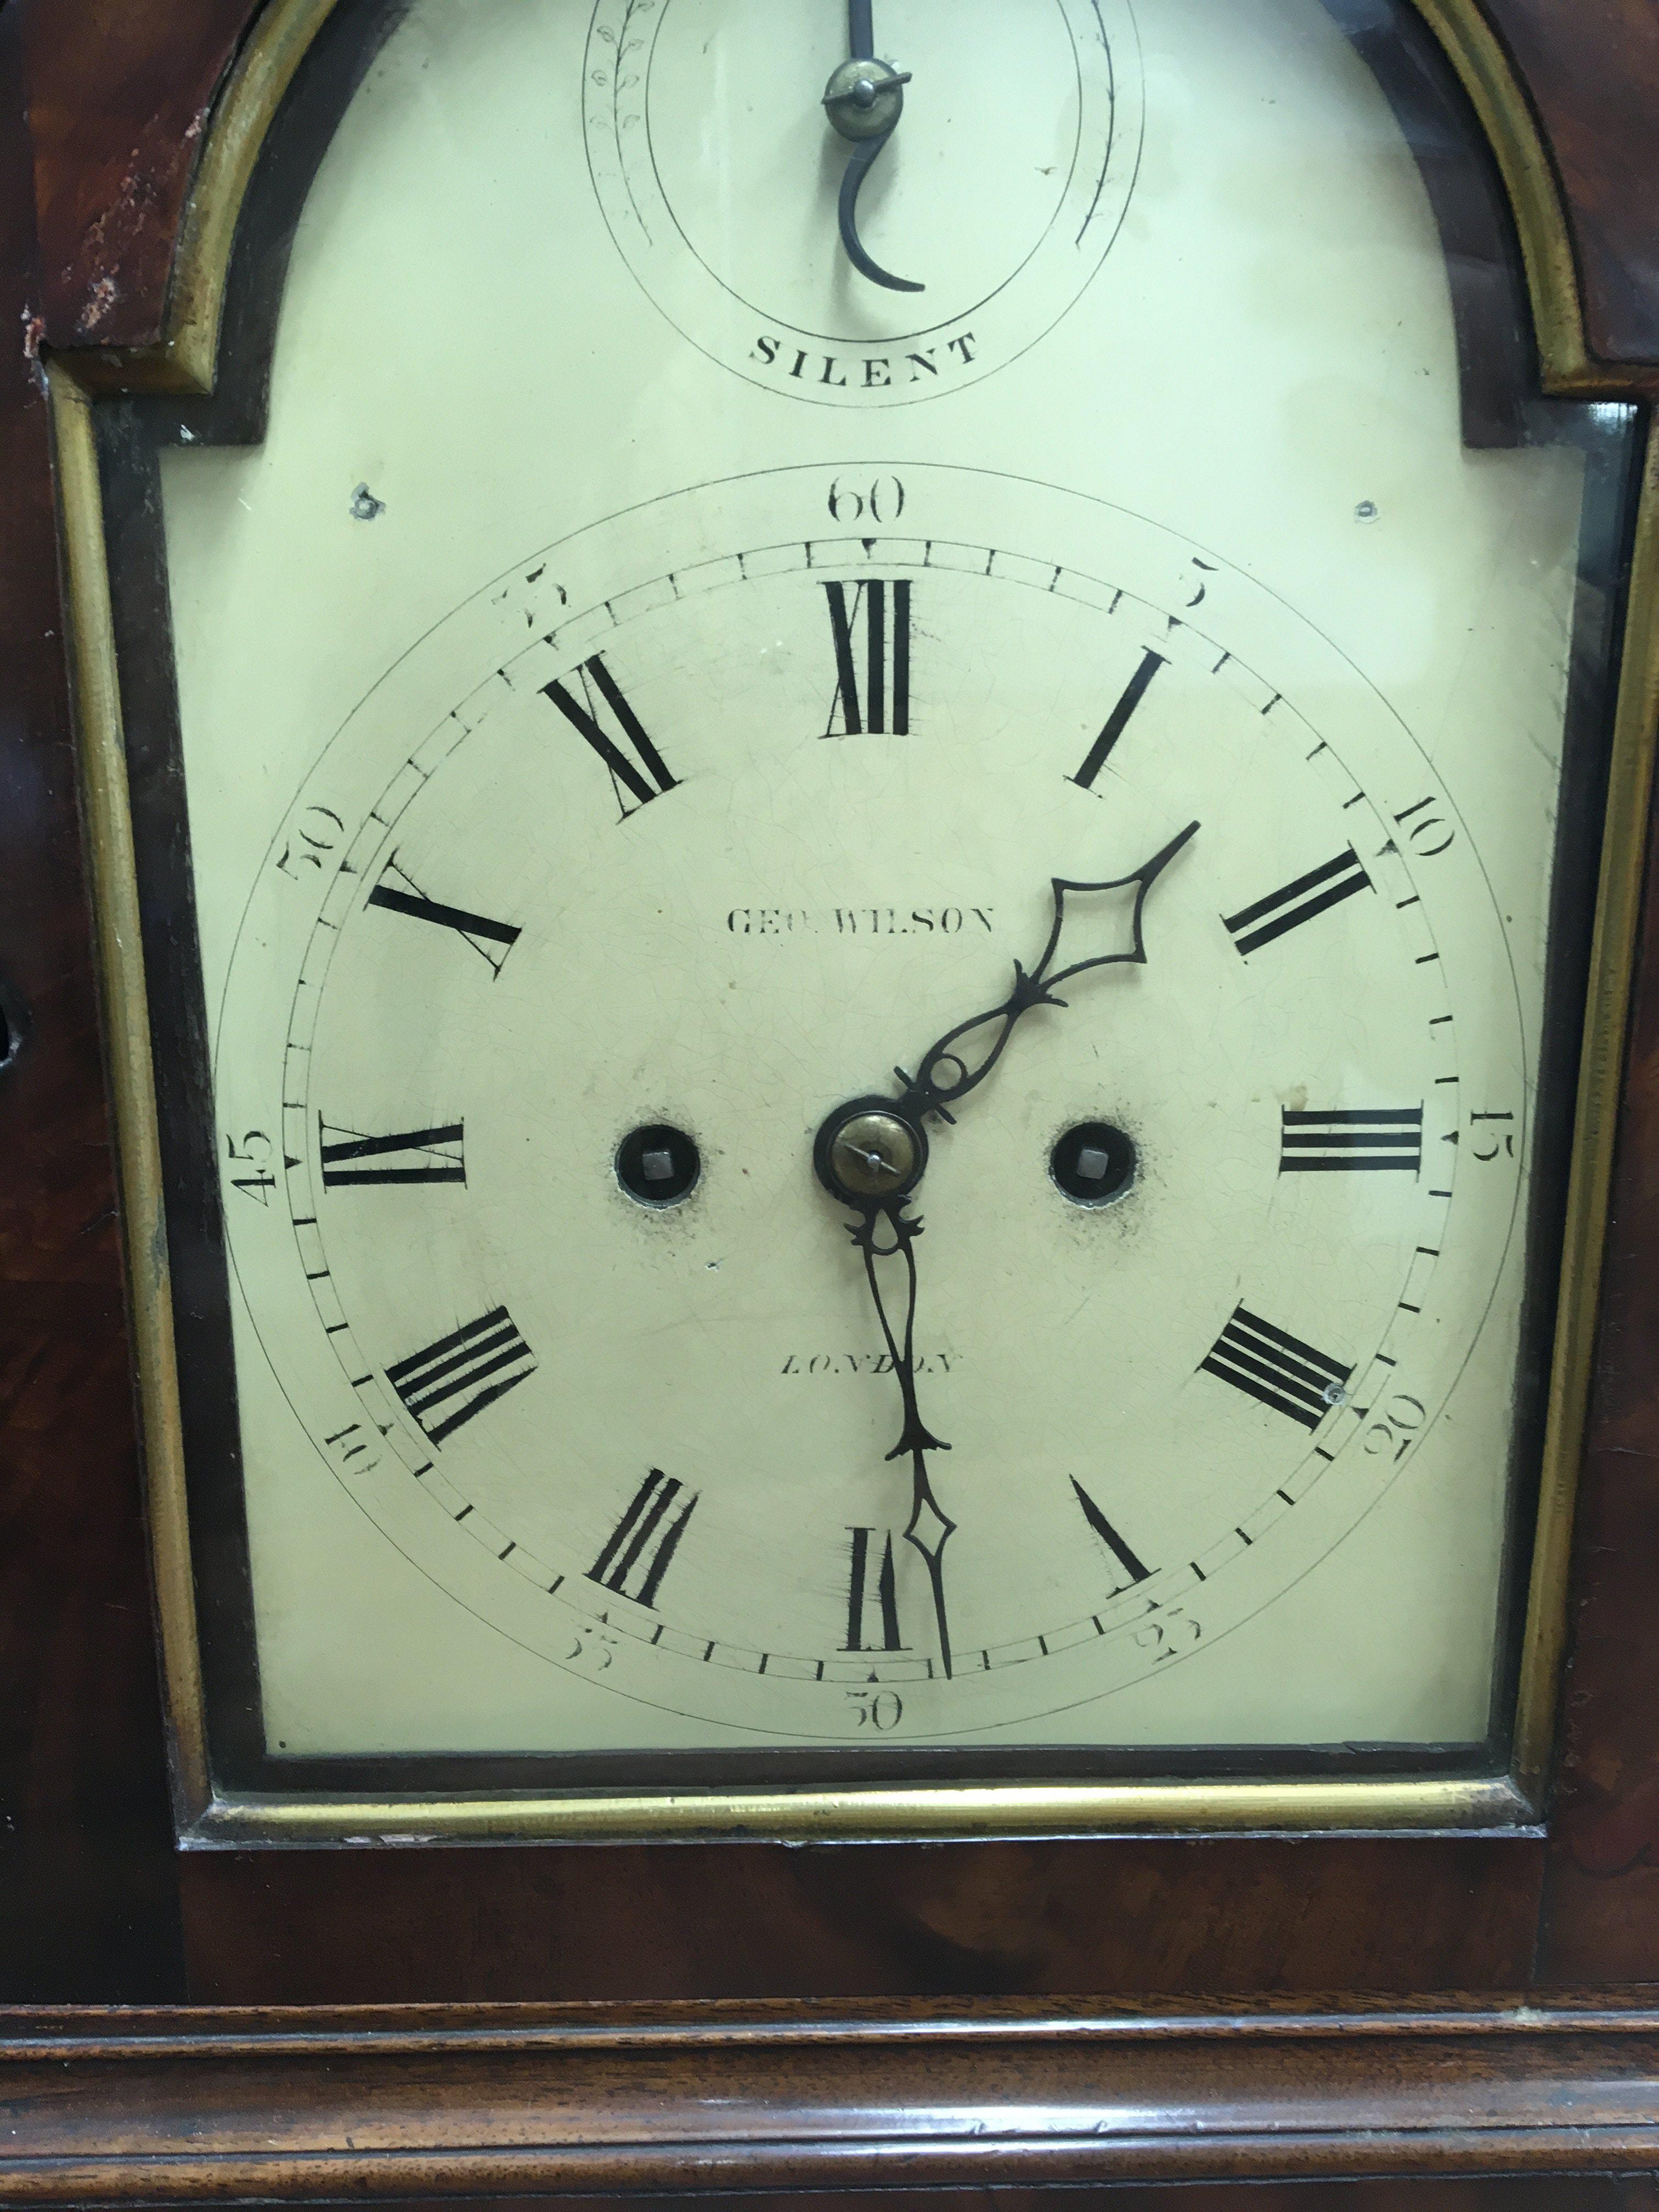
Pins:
x,y
869,632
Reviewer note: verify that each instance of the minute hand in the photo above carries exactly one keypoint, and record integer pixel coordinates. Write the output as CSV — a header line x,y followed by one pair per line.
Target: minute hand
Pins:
x,y
929,1527
945,1076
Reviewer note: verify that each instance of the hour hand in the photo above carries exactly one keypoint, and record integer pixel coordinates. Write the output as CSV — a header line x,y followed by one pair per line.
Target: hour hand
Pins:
x,y
950,1068
929,1527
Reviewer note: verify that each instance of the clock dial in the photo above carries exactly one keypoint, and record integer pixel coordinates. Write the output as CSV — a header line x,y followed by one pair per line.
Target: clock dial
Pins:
x,y
886,1079
998,211
689,831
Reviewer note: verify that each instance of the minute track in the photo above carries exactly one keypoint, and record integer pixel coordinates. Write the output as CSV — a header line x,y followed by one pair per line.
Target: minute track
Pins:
x,y
693,1629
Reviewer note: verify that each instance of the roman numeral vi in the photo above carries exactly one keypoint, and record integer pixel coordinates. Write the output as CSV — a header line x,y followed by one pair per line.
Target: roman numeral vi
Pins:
x,y
872,1621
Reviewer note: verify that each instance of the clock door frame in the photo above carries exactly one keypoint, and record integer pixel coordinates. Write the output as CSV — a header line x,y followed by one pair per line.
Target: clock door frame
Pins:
x,y
290,82
104,251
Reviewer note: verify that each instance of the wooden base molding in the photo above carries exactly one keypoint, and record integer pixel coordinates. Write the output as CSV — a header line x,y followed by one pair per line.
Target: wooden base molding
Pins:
x,y
170,2107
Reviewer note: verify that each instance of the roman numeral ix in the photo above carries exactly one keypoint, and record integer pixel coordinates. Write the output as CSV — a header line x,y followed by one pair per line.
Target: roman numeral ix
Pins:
x,y
635,1561
1297,903
877,619
644,775
418,1156
1115,1544
398,893
1369,1139
872,1621
455,1378
1277,1370
1118,720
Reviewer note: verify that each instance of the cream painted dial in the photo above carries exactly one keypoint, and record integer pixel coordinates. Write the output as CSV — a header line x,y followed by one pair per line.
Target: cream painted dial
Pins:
x,y
705,819
603,769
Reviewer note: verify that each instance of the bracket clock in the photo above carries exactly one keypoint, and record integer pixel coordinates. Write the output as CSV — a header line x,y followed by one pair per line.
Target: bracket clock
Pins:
x,y
828,1037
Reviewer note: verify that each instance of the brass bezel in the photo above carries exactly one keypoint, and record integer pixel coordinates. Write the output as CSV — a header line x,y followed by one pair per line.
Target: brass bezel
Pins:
x,y
185,361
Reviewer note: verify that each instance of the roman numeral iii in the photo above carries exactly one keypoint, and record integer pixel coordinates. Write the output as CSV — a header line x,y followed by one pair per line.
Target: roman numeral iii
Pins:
x,y
644,775
870,631
872,1621
1371,1138
454,1380
398,893
645,1539
1277,1370
418,1156
1284,911
1127,1562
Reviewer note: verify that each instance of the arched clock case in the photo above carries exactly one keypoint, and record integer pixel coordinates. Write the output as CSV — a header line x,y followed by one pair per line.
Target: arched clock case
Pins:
x,y
827,1005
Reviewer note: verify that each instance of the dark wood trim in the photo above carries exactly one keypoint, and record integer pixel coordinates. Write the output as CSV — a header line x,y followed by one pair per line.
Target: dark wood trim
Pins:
x,y
118,94
964,1921
88,1906
170,2108
1514,2193
1592,67
1602,1911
